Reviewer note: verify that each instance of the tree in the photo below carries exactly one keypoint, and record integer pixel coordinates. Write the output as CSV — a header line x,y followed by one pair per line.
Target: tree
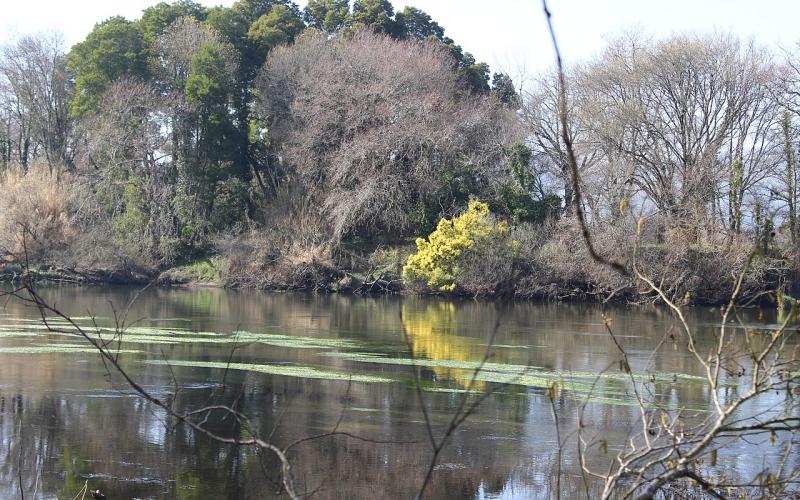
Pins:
x,y
413,143
279,26
114,49
789,193
327,15
503,89
436,261
37,89
684,99
540,115
129,152
414,23
475,74
683,126
157,18
376,15
201,72
788,96
18,141
252,36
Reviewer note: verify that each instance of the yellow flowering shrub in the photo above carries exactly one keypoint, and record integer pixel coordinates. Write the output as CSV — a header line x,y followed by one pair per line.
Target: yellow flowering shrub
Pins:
x,y
436,260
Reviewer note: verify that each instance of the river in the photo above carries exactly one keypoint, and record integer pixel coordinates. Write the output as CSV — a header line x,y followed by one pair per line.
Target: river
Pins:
x,y
301,363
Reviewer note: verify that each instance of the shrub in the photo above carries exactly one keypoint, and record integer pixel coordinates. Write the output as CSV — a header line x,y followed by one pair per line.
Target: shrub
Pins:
x,y
438,258
521,207
202,271
130,222
230,203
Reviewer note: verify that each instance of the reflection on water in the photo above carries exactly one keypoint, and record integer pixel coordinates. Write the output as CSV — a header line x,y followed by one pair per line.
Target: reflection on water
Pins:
x,y
65,420
432,331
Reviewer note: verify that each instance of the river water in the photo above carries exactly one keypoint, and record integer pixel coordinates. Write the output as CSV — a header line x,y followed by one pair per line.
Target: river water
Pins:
x,y
301,363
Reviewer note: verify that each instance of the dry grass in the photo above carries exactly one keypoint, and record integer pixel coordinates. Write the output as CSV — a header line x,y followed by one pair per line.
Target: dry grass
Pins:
x,y
290,251
35,213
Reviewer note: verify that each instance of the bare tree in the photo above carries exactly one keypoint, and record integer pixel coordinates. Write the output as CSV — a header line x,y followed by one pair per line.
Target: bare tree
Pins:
x,y
672,445
36,87
788,95
540,115
379,131
128,154
672,123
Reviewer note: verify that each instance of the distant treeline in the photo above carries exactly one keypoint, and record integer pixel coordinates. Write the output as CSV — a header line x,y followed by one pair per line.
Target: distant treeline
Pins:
x,y
262,145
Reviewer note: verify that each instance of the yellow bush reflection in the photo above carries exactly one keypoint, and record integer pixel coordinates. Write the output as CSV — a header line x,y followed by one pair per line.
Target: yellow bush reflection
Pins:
x,y
433,334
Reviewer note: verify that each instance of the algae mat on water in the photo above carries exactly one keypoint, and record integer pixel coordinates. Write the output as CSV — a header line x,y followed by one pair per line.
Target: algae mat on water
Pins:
x,y
512,369
58,349
283,370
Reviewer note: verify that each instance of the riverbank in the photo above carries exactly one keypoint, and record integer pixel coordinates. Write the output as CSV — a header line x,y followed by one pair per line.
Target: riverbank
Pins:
x,y
524,285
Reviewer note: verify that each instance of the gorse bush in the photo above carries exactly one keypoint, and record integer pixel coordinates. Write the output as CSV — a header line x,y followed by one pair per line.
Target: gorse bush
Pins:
x,y
437,259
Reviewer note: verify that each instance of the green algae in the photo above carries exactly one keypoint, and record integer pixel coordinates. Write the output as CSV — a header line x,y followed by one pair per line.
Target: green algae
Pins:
x,y
282,370
56,349
300,342
513,369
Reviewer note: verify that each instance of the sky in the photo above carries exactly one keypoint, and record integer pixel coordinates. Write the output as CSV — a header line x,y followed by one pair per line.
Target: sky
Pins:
x,y
511,35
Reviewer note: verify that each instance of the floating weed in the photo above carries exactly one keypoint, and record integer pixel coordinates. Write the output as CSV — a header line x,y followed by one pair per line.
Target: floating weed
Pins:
x,y
430,363
160,335
138,330
542,381
132,339
77,346
448,390
8,334
283,370
512,346
159,331
55,349
298,342
39,327
39,320
512,369
178,320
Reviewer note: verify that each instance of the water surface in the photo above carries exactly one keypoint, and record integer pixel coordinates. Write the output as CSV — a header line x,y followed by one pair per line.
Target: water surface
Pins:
x,y
324,359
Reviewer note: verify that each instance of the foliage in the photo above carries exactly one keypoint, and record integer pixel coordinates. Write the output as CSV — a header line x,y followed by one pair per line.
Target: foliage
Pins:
x,y
327,15
204,271
376,15
130,222
156,19
208,82
114,49
414,23
503,89
276,136
437,258
230,204
277,27
521,207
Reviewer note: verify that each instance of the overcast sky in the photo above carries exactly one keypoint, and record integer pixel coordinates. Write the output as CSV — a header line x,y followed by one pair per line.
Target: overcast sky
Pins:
x,y
508,34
